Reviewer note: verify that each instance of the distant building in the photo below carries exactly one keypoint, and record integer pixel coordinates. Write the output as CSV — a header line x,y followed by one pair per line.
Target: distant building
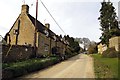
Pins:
x,y
115,42
101,48
23,33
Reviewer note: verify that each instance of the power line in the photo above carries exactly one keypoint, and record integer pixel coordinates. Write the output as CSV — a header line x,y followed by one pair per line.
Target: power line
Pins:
x,y
52,17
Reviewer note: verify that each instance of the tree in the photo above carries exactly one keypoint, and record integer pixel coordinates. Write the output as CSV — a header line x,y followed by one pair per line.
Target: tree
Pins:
x,y
108,22
84,41
92,47
72,43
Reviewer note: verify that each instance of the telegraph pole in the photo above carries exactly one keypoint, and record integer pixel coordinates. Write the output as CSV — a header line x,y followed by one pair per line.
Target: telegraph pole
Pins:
x,y
35,34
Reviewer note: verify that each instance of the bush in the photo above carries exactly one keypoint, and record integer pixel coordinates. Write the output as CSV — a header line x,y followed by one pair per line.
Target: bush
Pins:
x,y
110,53
21,68
92,49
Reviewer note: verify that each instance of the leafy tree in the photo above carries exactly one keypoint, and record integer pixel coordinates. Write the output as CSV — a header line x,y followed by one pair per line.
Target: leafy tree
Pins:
x,y
108,22
92,48
72,43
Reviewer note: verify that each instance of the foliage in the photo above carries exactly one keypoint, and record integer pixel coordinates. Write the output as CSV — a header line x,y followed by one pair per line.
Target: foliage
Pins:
x,y
21,68
12,70
84,41
110,52
72,43
77,49
108,22
105,67
92,49
69,53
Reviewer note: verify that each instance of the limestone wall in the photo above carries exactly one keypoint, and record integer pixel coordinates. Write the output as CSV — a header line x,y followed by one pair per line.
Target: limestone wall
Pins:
x,y
115,42
22,32
16,53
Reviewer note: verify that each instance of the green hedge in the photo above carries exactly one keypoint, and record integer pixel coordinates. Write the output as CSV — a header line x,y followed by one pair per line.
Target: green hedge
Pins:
x,y
12,70
110,53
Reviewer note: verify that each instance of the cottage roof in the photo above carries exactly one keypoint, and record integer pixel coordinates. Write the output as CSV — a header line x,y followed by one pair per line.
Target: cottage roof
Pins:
x,y
41,28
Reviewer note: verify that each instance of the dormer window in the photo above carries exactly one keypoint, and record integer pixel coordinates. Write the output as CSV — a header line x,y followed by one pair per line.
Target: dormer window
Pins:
x,y
46,33
61,39
54,38
15,31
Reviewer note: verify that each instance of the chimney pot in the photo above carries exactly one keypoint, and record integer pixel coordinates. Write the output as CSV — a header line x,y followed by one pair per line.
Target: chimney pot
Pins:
x,y
47,25
25,9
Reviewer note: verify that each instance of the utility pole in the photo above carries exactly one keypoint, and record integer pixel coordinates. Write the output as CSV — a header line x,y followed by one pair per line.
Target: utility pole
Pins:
x,y
35,34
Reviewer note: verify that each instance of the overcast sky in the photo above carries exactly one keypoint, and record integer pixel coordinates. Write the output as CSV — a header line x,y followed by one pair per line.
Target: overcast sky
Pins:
x,y
78,18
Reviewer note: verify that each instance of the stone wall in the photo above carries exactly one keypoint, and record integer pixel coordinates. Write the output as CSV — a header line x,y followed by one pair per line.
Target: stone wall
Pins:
x,y
16,53
115,42
22,32
43,45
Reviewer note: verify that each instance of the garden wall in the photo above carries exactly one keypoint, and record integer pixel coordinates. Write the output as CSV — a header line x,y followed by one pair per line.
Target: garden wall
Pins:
x,y
16,52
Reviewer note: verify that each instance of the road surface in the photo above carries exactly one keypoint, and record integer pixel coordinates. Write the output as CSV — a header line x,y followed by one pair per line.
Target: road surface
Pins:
x,y
80,66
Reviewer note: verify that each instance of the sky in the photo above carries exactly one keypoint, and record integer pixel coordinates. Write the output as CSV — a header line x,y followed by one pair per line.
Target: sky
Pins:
x,y
78,18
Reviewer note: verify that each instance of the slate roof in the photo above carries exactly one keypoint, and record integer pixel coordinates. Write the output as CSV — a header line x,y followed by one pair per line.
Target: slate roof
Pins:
x,y
41,28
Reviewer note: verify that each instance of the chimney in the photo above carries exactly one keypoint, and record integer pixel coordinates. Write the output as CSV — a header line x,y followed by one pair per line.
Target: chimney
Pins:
x,y
103,0
47,25
25,9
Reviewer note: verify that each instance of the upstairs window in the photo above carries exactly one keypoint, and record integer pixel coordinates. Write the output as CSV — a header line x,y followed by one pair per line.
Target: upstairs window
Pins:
x,y
15,31
46,47
46,33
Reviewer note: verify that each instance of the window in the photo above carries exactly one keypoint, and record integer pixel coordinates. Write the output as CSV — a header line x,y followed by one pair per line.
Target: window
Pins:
x,y
42,42
54,38
46,47
15,31
46,33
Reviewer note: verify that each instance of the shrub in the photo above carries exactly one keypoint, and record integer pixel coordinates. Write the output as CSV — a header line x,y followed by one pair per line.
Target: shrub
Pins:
x,y
21,68
92,49
110,53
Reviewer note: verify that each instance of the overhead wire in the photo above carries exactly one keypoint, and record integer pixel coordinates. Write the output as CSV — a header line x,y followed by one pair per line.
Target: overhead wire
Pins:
x,y
53,17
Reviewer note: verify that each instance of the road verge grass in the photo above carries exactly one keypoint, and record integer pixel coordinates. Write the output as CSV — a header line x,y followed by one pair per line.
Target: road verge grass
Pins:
x,y
105,67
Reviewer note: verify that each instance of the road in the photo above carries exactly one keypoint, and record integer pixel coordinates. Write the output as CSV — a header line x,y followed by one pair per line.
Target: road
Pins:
x,y
80,66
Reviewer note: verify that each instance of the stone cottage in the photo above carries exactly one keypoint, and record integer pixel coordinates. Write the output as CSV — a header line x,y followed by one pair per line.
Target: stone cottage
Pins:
x,y
101,47
23,30
115,42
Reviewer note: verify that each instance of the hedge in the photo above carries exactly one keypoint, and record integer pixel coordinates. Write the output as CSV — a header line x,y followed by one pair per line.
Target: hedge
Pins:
x,y
13,70
111,53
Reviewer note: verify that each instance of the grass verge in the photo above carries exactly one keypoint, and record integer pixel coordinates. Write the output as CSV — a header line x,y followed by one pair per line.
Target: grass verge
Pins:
x,y
105,67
